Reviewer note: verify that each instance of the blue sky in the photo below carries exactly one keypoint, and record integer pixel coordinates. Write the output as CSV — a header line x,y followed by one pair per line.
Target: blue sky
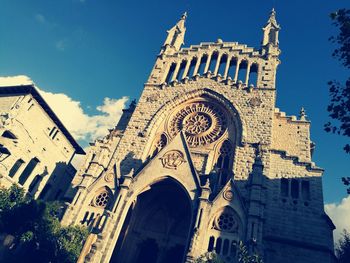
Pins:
x,y
93,49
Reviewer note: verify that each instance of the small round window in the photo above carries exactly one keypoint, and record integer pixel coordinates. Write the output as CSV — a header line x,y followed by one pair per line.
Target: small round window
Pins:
x,y
101,200
226,221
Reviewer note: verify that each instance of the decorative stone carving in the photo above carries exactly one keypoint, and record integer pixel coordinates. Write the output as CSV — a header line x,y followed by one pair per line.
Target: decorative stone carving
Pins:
x,y
255,102
226,222
228,195
172,159
109,177
101,200
5,119
202,123
153,97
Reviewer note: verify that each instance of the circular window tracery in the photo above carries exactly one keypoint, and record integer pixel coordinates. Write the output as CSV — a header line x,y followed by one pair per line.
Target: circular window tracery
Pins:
x,y
226,221
101,200
202,122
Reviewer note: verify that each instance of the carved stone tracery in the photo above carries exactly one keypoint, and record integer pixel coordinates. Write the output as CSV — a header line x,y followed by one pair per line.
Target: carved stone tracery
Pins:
x,y
202,122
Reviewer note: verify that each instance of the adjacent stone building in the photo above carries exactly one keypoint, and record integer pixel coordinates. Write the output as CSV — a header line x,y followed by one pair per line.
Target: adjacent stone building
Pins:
x,y
35,148
203,161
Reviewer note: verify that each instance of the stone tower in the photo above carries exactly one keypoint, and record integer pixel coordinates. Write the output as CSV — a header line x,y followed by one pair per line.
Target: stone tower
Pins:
x,y
205,160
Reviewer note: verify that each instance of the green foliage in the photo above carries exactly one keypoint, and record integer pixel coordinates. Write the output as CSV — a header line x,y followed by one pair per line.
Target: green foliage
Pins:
x,y
209,257
339,107
39,237
343,248
245,257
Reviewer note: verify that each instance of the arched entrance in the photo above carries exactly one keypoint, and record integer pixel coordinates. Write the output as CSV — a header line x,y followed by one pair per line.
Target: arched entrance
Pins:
x,y
157,226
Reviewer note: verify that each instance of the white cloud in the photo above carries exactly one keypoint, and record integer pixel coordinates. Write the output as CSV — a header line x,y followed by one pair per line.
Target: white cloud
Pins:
x,y
339,213
80,124
40,18
15,81
61,44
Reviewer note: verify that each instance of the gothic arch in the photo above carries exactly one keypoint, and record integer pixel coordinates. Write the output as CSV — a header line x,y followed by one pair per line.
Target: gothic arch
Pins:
x,y
206,93
154,211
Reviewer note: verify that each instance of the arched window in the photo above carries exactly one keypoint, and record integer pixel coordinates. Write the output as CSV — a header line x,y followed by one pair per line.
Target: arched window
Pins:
x,y
213,61
34,184
28,170
211,244
242,73
222,66
159,145
170,72
232,68
225,247
16,167
305,190
218,245
295,188
102,198
223,163
253,74
191,68
202,64
226,221
284,187
181,70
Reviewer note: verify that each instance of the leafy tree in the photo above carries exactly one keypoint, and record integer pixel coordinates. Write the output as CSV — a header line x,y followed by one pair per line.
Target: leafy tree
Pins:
x,y
38,235
343,248
209,257
339,107
245,257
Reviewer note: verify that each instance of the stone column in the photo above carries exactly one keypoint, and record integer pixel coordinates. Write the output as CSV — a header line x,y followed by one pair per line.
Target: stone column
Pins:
x,y
186,69
176,71
207,64
198,63
228,62
247,74
217,64
237,70
199,226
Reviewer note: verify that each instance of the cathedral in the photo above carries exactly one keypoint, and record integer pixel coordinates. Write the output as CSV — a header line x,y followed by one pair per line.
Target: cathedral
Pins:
x,y
203,161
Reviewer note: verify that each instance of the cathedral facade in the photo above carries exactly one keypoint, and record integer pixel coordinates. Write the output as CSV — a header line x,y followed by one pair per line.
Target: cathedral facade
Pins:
x,y
203,161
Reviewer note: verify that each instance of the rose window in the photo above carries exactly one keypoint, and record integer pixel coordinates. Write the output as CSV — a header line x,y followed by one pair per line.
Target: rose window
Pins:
x,y
102,199
226,222
202,122
197,123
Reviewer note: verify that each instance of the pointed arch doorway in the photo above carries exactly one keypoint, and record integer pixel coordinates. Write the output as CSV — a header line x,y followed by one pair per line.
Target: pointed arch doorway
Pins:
x,y
157,226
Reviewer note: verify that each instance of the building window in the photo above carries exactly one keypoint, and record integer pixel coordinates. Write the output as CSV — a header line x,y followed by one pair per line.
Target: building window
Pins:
x,y
9,135
211,244
101,200
305,190
34,184
295,188
16,167
28,170
218,245
284,187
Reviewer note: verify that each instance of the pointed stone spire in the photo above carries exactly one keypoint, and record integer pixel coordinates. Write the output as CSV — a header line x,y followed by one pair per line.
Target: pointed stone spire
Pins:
x,y
302,114
176,35
271,30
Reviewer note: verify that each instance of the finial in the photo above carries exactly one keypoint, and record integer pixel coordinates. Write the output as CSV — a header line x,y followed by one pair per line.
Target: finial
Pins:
x,y
302,114
184,16
272,17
